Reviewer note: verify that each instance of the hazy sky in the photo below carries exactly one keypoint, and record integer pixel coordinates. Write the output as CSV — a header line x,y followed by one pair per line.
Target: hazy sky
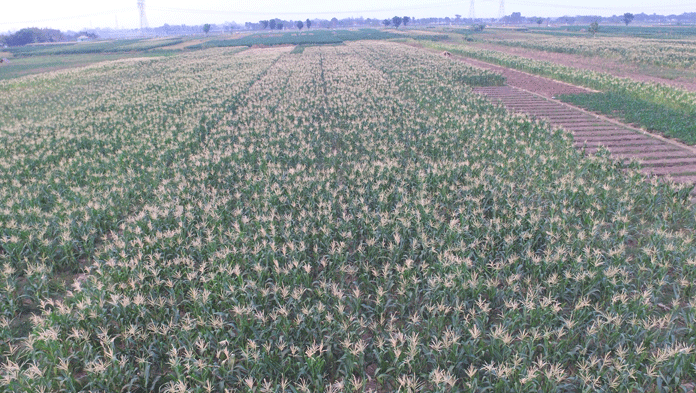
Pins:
x,y
78,14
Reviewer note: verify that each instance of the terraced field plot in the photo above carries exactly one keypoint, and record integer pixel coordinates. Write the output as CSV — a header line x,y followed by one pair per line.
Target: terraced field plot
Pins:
x,y
657,156
351,218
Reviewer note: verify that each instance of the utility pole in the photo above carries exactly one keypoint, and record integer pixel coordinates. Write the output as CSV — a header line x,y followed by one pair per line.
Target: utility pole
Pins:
x,y
143,19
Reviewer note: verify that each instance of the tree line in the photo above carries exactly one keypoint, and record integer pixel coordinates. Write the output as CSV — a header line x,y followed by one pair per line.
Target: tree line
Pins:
x,y
277,24
396,21
34,35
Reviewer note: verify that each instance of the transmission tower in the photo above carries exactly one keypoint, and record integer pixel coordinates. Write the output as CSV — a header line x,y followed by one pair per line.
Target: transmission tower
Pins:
x,y
143,19
472,13
501,11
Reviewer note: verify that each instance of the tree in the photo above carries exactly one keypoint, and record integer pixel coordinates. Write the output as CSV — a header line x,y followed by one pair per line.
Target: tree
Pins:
x,y
279,26
22,37
539,21
397,21
308,23
264,24
386,22
206,28
334,22
628,18
32,35
594,28
406,20
457,19
299,24
272,24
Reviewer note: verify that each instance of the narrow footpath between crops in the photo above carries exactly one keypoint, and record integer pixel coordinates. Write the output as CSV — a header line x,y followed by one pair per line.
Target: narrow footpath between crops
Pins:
x,y
535,96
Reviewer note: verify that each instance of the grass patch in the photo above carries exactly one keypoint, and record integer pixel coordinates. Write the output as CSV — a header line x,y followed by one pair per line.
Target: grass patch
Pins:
x,y
432,37
299,49
666,73
671,122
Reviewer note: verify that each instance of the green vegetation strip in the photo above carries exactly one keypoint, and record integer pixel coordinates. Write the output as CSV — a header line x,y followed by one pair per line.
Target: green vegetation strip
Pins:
x,y
22,66
347,218
116,46
316,37
651,116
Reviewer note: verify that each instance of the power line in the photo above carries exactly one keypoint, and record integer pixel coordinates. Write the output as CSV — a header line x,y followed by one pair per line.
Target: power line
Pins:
x,y
237,12
662,7
681,5
27,22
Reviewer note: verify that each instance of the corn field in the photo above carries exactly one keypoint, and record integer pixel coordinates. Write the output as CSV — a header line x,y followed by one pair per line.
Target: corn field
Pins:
x,y
350,218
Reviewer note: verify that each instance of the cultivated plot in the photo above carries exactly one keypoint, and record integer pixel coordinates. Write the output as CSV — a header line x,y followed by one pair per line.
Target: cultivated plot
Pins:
x,y
351,217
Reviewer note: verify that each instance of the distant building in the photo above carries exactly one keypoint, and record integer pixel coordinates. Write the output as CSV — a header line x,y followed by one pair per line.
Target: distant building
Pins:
x,y
83,38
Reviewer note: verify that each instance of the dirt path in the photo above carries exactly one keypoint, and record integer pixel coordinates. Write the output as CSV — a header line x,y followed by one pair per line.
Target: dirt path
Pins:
x,y
677,78
536,84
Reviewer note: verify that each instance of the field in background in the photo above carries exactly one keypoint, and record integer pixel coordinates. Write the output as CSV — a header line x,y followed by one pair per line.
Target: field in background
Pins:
x,y
349,217
36,59
677,50
23,66
310,37
112,46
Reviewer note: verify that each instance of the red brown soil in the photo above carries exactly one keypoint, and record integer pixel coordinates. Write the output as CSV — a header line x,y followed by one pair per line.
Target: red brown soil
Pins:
x,y
685,80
